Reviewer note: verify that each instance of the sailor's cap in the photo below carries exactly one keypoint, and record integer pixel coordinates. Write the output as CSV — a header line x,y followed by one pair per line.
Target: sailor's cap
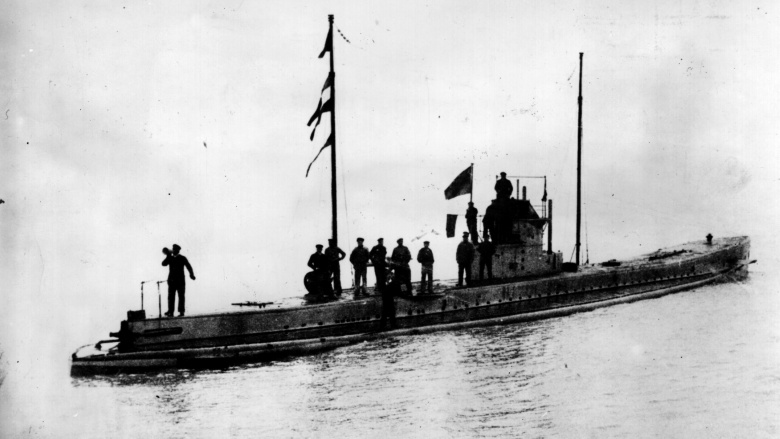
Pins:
x,y
177,246
318,245
360,239
465,234
400,240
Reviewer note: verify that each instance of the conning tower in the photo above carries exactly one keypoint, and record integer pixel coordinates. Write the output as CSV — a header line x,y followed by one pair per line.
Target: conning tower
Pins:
x,y
517,231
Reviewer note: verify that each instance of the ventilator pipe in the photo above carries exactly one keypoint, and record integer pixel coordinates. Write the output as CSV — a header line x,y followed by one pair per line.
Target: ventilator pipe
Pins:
x,y
549,226
523,193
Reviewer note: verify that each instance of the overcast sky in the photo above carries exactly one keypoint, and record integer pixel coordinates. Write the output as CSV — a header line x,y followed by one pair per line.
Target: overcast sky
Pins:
x,y
129,126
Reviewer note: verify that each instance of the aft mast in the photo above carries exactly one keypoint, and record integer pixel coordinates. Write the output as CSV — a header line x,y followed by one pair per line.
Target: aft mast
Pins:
x,y
579,166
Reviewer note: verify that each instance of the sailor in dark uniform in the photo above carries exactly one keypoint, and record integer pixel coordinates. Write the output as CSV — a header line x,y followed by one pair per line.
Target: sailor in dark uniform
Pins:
x,y
176,264
464,256
359,259
400,258
503,187
319,263
391,289
334,255
471,222
425,258
486,251
317,260
378,254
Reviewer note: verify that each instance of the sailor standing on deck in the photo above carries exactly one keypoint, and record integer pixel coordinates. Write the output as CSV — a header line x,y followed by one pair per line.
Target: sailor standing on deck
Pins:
x,y
464,256
400,258
378,254
359,259
471,222
334,255
176,264
425,258
486,251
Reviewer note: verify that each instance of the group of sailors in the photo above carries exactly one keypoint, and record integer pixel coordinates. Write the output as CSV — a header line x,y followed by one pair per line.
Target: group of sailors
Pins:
x,y
392,273
394,270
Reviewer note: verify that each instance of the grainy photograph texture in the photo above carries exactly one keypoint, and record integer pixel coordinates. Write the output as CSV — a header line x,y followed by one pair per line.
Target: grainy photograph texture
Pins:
x,y
389,219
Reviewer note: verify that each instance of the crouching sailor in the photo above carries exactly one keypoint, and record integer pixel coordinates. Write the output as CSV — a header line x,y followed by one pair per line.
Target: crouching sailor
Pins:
x,y
176,264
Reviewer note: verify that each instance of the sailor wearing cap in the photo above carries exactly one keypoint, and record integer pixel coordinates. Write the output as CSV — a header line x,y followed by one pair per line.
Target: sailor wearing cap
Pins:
x,y
425,258
334,254
471,221
503,187
464,256
400,258
319,263
359,259
317,260
378,254
176,264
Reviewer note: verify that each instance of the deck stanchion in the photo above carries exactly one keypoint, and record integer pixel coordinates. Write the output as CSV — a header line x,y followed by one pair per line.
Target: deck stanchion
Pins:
x,y
159,299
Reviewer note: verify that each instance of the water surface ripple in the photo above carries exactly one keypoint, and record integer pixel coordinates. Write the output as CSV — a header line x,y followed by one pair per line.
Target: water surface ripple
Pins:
x,y
696,364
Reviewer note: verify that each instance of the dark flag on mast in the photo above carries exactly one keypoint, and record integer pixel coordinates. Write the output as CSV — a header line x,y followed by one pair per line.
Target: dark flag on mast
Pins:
x,y
325,107
328,105
328,44
461,185
328,82
321,108
544,197
328,143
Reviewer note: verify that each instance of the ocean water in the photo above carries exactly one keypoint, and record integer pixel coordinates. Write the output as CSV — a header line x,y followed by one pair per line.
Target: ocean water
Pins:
x,y
702,363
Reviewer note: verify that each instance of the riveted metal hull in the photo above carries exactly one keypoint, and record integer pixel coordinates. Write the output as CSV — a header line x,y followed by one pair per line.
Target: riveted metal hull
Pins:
x,y
226,338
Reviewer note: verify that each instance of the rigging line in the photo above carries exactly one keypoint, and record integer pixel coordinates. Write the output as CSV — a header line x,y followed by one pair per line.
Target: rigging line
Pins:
x,y
346,213
587,255
341,34
295,211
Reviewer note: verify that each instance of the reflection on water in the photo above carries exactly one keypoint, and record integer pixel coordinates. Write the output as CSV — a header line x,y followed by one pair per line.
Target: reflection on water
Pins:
x,y
695,364
439,385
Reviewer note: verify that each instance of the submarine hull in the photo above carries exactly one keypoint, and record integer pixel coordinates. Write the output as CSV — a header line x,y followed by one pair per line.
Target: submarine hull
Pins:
x,y
220,339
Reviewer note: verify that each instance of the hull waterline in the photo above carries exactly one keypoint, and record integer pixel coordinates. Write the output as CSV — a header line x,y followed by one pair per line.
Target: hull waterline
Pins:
x,y
218,340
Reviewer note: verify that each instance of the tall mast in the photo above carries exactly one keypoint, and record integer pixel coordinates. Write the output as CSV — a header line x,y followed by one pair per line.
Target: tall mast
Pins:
x,y
579,165
333,133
